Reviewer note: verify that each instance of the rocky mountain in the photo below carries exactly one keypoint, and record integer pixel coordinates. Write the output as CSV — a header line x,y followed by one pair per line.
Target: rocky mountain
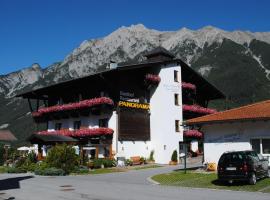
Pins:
x,y
237,62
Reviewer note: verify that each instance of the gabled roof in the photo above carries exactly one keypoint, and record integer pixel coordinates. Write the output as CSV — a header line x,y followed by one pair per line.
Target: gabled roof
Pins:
x,y
6,135
256,111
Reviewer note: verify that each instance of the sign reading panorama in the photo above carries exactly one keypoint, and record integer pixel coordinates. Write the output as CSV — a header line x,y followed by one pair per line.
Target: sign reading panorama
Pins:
x,y
134,105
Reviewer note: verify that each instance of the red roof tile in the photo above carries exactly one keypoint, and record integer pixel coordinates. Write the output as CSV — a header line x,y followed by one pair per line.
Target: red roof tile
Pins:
x,y
257,111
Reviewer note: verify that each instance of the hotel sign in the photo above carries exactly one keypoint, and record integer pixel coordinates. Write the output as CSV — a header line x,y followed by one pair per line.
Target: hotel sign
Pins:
x,y
134,105
128,96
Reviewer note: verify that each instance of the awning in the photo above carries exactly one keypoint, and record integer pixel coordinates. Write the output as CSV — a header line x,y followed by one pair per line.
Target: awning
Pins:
x,y
50,139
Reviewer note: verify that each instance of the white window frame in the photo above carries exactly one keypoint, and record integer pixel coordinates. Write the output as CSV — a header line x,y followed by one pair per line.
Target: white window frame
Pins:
x,y
261,147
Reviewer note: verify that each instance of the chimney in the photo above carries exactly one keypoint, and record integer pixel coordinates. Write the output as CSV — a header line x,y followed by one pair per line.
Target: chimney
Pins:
x,y
112,65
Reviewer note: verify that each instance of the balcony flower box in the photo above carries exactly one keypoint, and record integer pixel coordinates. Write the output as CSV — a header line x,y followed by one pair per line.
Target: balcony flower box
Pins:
x,y
84,132
198,109
193,133
188,86
152,79
74,106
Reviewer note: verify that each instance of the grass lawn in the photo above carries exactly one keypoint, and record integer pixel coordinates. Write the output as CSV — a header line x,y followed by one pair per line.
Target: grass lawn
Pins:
x,y
145,167
106,170
3,169
200,180
101,171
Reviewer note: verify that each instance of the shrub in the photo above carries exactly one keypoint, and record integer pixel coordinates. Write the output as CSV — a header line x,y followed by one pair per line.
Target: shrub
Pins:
x,y
62,157
41,165
31,157
50,172
28,163
174,156
97,163
31,168
109,163
2,152
142,160
13,170
128,162
20,162
151,157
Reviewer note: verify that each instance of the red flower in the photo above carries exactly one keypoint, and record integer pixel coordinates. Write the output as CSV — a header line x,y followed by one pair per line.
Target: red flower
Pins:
x,y
73,106
152,78
193,133
80,132
198,109
189,86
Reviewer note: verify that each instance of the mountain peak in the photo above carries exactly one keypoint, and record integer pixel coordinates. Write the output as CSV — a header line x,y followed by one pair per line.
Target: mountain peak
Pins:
x,y
35,66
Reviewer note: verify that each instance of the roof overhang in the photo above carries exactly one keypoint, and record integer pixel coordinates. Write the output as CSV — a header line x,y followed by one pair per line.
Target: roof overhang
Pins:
x,y
212,91
226,121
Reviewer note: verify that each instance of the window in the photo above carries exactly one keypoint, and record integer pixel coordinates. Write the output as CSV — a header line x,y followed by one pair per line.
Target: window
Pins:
x,y
176,99
261,145
176,76
177,126
77,125
266,146
104,122
255,144
58,126
60,101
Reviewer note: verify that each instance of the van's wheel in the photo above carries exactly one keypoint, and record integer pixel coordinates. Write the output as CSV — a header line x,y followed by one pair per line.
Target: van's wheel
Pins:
x,y
252,179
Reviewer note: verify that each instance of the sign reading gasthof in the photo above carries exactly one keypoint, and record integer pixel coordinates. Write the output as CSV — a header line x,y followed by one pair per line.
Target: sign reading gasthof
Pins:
x,y
134,105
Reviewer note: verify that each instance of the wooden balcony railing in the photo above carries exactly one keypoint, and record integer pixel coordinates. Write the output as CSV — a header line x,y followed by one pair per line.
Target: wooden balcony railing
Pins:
x,y
84,132
89,103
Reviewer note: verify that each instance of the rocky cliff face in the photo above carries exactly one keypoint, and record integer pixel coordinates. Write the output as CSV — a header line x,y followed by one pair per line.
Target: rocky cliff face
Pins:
x,y
236,62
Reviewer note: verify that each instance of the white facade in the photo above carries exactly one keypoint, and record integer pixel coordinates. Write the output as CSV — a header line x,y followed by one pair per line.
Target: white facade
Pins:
x,y
163,112
237,136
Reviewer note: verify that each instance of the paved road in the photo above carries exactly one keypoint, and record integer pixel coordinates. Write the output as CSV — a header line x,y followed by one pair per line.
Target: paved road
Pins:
x,y
131,185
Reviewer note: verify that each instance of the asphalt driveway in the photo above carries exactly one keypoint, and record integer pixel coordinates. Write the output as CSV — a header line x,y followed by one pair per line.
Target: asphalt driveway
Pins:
x,y
129,185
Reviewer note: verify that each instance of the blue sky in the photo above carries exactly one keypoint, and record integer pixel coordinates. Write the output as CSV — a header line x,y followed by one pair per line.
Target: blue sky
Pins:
x,y
45,31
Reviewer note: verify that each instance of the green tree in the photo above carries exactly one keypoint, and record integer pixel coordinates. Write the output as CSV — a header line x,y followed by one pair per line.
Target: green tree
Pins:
x,y
174,156
62,157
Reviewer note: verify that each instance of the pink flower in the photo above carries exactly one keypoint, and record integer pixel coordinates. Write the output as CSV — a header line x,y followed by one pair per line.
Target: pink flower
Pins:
x,y
74,106
189,86
152,78
80,132
193,133
198,109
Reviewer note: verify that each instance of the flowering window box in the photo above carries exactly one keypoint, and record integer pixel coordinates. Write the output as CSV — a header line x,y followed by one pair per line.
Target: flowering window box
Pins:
x,y
198,109
84,132
193,133
152,79
74,106
188,86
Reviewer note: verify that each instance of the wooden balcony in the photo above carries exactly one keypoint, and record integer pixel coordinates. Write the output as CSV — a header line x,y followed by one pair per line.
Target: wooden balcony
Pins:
x,y
94,106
